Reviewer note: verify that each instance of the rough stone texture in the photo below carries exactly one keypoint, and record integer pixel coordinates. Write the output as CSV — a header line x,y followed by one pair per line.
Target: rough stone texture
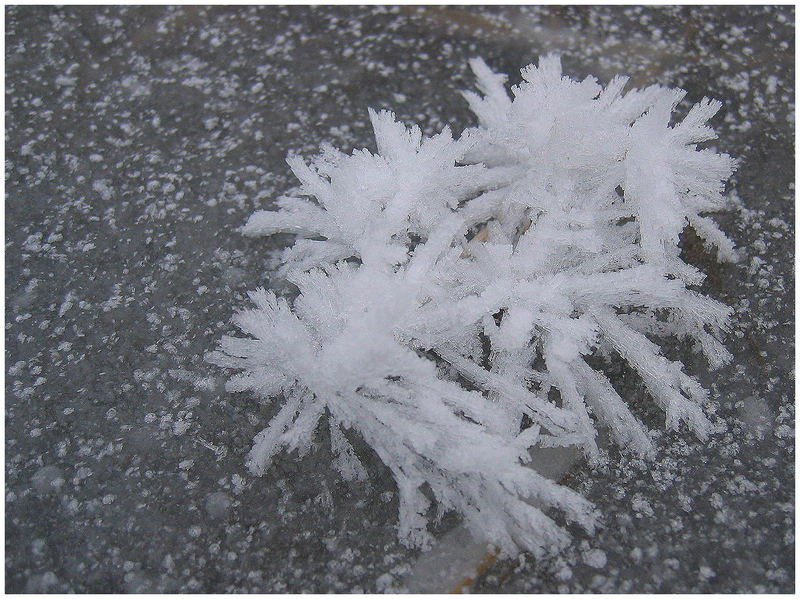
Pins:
x,y
139,139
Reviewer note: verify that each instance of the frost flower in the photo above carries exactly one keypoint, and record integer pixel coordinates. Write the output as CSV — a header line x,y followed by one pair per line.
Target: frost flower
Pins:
x,y
458,297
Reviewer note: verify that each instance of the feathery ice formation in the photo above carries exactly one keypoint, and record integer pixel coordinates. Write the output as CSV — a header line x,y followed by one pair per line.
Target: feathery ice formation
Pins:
x,y
450,291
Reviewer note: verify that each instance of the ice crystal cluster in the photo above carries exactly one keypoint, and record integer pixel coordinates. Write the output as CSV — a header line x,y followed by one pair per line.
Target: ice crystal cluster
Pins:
x,y
458,297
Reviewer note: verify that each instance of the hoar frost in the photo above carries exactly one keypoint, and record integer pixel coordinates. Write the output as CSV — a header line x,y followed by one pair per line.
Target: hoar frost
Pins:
x,y
451,291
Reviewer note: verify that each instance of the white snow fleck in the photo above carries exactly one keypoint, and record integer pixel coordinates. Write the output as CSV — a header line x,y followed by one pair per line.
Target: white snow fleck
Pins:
x,y
705,573
47,479
772,84
67,304
238,483
64,81
595,558
102,187
642,506
218,504
180,427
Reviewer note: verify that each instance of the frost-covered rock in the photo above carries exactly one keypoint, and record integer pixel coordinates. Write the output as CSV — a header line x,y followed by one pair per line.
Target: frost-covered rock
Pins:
x,y
450,291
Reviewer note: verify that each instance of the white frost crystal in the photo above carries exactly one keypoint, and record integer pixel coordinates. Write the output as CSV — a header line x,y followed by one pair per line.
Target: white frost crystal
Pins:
x,y
451,291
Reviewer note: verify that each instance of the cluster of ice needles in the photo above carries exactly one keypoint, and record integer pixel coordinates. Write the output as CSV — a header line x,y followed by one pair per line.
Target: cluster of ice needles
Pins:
x,y
458,297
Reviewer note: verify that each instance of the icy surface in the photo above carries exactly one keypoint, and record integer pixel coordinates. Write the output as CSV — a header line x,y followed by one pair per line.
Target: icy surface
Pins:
x,y
137,140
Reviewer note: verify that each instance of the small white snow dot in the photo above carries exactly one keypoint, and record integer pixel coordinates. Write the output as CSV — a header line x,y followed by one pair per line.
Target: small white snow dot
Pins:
x,y
596,558
706,573
180,427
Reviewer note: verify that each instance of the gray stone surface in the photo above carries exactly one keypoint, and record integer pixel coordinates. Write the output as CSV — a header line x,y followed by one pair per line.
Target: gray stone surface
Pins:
x,y
139,139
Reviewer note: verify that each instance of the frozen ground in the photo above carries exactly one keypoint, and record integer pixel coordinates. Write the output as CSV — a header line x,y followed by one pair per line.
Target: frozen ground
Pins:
x,y
138,140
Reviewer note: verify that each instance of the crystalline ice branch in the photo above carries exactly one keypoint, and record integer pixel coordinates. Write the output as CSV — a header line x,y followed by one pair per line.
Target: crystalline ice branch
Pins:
x,y
341,350
369,206
454,293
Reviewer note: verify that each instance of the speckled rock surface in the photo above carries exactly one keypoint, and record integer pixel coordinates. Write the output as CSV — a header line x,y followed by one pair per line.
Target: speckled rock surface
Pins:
x,y
138,141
